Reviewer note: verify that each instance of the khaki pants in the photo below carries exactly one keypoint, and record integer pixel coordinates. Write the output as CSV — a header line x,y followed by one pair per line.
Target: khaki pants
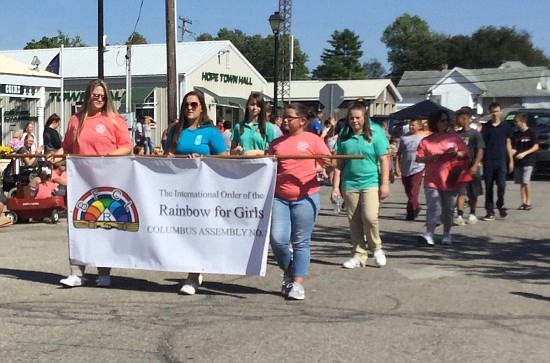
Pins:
x,y
362,206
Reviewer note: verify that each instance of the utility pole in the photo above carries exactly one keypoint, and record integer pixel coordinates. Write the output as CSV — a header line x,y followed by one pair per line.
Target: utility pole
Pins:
x,y
128,78
100,40
171,72
183,27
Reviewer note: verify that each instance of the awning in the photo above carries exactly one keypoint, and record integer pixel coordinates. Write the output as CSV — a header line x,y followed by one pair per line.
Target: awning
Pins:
x,y
140,94
219,100
237,101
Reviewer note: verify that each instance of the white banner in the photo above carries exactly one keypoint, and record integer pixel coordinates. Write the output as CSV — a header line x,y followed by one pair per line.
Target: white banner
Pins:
x,y
188,215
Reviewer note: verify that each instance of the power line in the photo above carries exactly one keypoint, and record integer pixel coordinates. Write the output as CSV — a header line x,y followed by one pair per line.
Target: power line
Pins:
x,y
139,16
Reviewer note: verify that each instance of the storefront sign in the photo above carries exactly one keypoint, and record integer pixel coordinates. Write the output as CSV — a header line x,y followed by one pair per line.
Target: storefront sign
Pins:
x,y
78,96
226,78
11,89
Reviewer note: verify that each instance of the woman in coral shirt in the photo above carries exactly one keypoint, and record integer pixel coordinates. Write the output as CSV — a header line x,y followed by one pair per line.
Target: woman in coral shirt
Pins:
x,y
439,151
97,129
297,199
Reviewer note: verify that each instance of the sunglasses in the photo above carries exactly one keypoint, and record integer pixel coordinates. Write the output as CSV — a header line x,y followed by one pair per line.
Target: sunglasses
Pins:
x,y
193,105
98,97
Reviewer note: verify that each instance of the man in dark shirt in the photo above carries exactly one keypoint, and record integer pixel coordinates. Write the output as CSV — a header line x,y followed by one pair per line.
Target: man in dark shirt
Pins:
x,y
497,160
472,189
524,146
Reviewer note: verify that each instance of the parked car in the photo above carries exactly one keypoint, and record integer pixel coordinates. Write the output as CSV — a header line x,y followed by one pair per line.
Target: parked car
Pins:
x,y
539,123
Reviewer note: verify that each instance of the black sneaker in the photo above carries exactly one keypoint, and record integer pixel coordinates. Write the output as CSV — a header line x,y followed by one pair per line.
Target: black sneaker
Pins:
x,y
503,212
489,217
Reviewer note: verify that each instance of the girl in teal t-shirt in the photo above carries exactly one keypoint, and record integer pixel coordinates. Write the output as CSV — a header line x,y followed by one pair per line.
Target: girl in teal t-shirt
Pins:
x,y
252,135
364,182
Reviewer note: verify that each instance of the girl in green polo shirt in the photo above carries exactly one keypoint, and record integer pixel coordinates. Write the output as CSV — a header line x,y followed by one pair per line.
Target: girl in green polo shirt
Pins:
x,y
252,135
364,182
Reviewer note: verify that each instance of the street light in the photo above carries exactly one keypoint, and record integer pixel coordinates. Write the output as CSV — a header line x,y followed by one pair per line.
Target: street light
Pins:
x,y
276,22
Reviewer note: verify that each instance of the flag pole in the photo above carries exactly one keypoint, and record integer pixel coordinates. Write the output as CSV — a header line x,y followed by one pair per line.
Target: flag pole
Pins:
x,y
62,111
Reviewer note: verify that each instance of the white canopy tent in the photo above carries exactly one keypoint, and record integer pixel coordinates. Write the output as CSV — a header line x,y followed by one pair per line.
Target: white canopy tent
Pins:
x,y
21,81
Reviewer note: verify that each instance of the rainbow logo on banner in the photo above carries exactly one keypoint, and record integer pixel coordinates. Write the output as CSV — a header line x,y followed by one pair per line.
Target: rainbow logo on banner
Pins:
x,y
108,208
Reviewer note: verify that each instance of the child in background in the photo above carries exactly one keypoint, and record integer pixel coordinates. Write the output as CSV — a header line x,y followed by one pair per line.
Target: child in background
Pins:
x,y
16,141
392,151
139,150
46,187
524,146
157,150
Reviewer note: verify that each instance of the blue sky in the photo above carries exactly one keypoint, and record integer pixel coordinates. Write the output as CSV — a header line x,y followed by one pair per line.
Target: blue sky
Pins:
x,y
313,21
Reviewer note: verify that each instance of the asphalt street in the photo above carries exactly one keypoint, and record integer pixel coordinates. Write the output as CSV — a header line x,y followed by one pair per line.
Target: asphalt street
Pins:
x,y
486,298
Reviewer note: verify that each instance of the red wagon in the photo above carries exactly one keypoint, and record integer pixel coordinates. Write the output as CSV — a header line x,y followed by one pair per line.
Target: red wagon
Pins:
x,y
22,209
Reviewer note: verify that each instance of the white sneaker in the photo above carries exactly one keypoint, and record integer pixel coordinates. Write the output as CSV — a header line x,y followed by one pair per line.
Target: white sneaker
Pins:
x,y
72,281
297,292
459,221
427,238
472,219
191,286
352,263
447,239
104,281
379,258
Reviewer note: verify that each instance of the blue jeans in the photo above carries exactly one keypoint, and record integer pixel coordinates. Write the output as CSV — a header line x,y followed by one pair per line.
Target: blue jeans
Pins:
x,y
292,222
494,171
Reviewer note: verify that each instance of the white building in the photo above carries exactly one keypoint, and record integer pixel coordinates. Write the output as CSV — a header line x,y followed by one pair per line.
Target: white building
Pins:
x,y
333,97
23,85
513,85
216,68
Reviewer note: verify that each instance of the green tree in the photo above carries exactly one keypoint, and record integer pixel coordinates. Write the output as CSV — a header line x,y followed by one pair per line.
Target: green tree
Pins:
x,y
413,46
260,51
341,61
493,46
55,42
460,53
136,38
373,69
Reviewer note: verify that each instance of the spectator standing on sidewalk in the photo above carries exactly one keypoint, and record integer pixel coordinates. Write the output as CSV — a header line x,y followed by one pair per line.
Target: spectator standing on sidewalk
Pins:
x,y
410,170
473,189
364,183
524,146
497,160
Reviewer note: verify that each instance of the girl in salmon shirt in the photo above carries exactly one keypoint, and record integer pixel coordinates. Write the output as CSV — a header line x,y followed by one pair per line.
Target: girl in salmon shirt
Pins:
x,y
296,203
438,151
97,129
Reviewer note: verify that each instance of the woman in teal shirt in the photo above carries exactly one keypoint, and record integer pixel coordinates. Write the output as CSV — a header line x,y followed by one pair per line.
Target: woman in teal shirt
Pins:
x,y
364,183
194,135
252,135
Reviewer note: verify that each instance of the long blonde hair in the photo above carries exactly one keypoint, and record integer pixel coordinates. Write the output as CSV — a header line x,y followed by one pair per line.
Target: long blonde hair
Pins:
x,y
108,109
